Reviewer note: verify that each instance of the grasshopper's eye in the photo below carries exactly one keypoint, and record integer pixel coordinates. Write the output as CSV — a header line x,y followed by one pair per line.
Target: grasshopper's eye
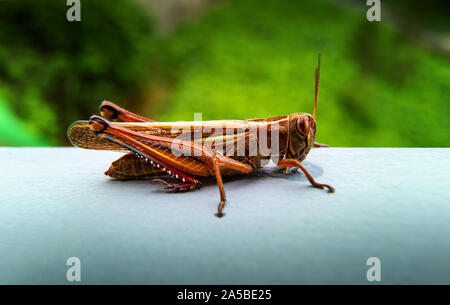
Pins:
x,y
303,125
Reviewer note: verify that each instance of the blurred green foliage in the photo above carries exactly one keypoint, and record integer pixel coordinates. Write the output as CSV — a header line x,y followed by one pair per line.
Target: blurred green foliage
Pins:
x,y
14,132
53,71
243,59
431,14
247,59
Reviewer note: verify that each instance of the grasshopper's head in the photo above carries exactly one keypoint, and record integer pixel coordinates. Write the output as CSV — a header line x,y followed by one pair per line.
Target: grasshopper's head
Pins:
x,y
302,128
302,132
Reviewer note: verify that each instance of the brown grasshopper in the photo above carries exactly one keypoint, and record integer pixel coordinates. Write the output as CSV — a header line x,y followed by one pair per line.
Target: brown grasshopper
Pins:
x,y
220,148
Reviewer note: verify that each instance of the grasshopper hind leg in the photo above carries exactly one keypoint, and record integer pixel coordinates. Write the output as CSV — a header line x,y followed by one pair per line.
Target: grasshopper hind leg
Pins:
x,y
223,198
111,111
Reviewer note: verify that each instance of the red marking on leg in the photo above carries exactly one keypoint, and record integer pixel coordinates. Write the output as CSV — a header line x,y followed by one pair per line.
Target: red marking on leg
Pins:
x,y
179,187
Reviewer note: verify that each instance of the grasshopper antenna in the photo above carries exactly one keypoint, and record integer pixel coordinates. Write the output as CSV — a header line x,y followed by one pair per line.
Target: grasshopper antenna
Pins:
x,y
317,88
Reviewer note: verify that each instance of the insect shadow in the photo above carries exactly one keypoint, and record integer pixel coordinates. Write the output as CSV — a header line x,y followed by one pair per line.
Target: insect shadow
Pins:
x,y
269,171
273,171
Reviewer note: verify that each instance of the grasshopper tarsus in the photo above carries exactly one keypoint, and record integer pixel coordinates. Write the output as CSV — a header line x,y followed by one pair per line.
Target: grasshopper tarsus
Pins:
x,y
219,213
160,181
322,186
176,187
330,188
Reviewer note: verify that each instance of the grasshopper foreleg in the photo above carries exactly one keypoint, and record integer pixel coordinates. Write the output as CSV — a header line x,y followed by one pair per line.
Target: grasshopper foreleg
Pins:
x,y
295,163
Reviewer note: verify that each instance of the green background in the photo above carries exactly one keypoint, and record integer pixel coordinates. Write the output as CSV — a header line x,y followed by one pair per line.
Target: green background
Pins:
x,y
382,83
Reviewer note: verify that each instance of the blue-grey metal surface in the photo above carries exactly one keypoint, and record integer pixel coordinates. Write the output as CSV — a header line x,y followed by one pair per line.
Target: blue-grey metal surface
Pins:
x,y
393,204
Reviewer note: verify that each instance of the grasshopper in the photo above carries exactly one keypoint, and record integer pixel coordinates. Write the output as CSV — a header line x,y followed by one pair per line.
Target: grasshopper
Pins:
x,y
157,149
